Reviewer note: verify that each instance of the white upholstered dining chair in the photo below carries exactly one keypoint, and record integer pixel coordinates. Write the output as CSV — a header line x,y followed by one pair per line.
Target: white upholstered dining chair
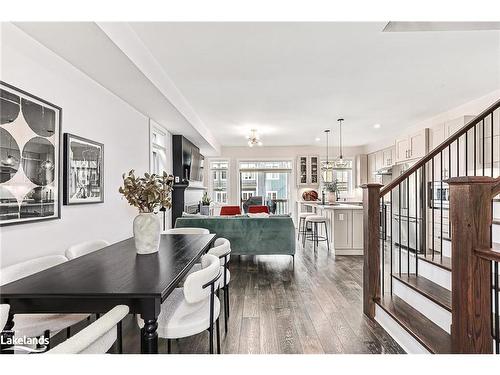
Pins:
x,y
35,325
222,250
84,248
194,308
97,338
187,231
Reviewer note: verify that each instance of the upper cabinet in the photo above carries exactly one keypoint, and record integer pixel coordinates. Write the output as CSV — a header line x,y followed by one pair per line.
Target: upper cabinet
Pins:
x,y
412,147
308,170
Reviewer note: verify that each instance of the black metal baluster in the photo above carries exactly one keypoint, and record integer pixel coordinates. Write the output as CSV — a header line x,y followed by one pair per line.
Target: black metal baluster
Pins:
x,y
475,151
497,318
424,211
483,149
408,224
399,193
416,222
441,208
383,224
392,240
432,200
449,176
466,154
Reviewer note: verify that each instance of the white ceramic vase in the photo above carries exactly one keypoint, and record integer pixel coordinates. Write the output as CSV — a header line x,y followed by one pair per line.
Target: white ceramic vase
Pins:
x,y
147,230
332,197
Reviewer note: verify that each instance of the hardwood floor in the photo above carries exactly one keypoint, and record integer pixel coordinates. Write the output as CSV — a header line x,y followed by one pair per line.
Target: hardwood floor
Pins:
x,y
312,308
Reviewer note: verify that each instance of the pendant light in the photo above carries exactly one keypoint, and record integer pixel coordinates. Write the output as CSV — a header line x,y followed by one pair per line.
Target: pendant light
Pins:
x,y
340,163
327,168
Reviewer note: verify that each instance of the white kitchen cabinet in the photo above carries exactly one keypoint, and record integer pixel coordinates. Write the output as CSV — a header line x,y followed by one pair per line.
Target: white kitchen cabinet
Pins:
x,y
379,160
372,167
415,146
388,157
357,229
343,229
361,169
308,170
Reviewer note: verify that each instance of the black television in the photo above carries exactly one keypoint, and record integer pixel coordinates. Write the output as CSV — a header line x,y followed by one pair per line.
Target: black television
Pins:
x,y
188,162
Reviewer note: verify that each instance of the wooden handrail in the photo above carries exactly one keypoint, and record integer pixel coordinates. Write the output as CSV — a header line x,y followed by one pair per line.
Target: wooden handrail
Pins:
x,y
488,254
387,188
495,189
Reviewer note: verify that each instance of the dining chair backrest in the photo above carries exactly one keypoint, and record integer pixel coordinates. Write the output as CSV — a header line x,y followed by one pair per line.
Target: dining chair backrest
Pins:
x,y
195,289
258,209
19,270
96,338
187,231
221,246
230,210
83,248
4,315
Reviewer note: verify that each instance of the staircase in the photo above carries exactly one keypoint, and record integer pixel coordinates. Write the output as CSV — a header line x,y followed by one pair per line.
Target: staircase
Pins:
x,y
431,277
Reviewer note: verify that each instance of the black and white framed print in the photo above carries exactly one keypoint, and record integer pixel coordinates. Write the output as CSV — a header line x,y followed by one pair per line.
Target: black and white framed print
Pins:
x,y
30,154
83,170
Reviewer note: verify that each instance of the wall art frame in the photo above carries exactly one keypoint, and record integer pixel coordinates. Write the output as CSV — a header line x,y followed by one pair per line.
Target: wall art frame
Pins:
x,y
30,157
83,171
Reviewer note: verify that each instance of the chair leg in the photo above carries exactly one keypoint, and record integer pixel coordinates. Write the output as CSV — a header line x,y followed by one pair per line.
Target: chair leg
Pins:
x,y
327,239
68,332
315,236
119,339
304,235
298,234
218,335
169,346
211,338
46,336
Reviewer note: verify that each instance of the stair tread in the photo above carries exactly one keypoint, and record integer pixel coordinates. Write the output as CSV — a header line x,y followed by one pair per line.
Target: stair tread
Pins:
x,y
430,335
443,262
427,288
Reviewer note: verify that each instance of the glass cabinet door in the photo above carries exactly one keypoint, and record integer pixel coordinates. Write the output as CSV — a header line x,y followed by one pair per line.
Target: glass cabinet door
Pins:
x,y
303,170
314,169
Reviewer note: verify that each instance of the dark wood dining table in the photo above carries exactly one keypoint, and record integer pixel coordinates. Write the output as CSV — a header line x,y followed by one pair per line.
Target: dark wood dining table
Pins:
x,y
114,275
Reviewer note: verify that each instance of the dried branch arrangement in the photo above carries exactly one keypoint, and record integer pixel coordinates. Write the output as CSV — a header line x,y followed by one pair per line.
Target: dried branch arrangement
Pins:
x,y
149,193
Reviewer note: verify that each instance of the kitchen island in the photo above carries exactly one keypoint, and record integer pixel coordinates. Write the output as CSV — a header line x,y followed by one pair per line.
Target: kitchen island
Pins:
x,y
345,225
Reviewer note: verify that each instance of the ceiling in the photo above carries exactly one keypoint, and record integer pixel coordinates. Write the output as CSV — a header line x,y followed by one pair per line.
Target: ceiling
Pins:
x,y
290,81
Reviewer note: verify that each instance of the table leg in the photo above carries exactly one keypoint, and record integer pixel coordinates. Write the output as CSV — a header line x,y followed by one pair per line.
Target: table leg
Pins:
x,y
7,335
149,339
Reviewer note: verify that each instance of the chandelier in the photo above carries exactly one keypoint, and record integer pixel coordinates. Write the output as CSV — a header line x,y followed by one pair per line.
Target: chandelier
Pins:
x,y
254,139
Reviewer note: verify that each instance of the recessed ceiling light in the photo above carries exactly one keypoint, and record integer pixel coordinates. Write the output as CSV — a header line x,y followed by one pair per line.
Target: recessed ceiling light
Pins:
x,y
376,126
317,139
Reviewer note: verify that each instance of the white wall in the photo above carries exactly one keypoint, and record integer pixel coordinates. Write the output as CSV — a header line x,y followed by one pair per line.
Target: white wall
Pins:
x,y
90,111
472,108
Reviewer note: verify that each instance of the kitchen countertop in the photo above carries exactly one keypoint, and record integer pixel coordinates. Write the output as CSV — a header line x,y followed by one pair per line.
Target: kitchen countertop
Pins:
x,y
337,206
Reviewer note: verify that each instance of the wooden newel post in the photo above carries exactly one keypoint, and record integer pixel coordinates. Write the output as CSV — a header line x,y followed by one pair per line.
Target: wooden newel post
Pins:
x,y
470,216
371,246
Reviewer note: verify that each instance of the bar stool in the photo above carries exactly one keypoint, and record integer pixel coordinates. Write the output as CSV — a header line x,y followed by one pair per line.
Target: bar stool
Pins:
x,y
302,230
314,236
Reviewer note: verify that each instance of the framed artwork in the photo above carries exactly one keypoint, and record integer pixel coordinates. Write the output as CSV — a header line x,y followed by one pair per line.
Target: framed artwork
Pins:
x,y
30,154
83,170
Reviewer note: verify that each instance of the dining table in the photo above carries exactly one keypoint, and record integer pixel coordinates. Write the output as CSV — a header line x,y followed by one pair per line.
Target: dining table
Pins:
x,y
113,275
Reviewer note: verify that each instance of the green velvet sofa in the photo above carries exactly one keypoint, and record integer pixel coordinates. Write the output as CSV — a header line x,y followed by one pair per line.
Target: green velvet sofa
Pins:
x,y
248,235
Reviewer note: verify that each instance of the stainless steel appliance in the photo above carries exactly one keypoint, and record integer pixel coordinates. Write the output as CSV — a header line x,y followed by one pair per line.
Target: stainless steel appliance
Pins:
x,y
439,195
407,214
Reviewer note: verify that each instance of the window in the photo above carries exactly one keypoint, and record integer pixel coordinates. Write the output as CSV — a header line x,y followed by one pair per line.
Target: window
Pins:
x,y
271,195
247,194
272,176
218,186
158,146
267,179
345,181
